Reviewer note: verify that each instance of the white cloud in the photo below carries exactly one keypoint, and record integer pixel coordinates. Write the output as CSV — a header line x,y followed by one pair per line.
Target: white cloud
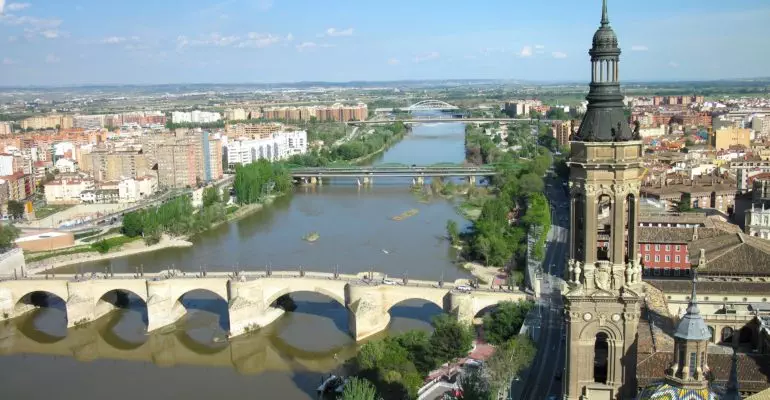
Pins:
x,y
426,57
261,40
34,22
639,47
334,32
526,51
250,40
394,61
50,34
312,45
539,47
15,6
8,61
2,6
113,40
12,39
673,64
52,59
559,54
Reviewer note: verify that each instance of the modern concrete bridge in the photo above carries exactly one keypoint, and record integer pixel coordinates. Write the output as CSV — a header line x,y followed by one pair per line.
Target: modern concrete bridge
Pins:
x,y
249,296
367,174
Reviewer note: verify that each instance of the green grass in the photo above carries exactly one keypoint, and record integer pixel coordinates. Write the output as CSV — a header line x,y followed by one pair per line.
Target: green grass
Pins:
x,y
49,210
83,235
114,244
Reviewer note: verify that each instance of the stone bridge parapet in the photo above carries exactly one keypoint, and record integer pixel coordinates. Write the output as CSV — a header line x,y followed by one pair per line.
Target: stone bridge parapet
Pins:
x,y
250,296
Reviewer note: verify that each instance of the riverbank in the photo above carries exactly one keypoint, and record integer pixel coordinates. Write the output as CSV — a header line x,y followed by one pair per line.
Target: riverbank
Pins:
x,y
135,247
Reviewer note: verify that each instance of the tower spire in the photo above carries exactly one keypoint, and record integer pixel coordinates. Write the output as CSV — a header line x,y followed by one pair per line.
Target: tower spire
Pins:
x,y
605,19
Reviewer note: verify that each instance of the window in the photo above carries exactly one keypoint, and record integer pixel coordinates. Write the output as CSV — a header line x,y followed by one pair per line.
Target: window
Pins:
x,y
657,247
647,247
693,364
668,247
676,259
657,258
601,353
687,258
676,272
678,247
668,258
666,272
646,257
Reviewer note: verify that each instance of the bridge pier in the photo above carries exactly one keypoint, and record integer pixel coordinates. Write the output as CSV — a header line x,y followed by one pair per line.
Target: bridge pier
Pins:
x,y
471,180
367,314
163,308
421,180
247,309
368,180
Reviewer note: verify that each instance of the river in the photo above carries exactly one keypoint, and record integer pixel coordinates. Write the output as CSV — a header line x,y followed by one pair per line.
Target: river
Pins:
x,y
114,358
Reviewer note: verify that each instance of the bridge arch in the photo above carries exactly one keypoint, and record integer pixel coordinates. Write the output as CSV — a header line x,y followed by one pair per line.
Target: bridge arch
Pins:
x,y
111,337
208,301
431,105
121,299
441,303
335,293
33,299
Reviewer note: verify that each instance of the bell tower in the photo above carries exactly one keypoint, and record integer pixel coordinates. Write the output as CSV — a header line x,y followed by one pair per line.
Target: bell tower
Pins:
x,y
602,293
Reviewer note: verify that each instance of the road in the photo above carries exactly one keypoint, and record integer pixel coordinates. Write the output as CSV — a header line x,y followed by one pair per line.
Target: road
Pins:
x,y
542,382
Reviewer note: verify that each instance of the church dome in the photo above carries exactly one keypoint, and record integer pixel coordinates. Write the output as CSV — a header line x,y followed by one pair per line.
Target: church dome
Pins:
x,y
605,39
664,391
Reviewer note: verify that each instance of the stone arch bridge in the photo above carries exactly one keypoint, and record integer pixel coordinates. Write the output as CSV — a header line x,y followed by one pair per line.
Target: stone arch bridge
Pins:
x,y
249,296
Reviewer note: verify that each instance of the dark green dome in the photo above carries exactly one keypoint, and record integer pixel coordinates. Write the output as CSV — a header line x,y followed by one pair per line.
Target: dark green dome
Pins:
x,y
605,39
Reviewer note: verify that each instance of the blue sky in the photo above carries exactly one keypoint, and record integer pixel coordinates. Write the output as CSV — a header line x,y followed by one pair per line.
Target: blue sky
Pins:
x,y
51,42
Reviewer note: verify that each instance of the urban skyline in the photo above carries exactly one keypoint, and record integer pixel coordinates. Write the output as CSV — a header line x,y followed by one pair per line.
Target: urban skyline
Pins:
x,y
267,41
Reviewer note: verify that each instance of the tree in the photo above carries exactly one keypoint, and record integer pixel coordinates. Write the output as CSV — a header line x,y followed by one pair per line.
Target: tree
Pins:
x,y
101,246
133,225
451,339
210,196
508,361
358,389
505,321
417,345
8,236
685,204
15,209
531,183
474,386
453,231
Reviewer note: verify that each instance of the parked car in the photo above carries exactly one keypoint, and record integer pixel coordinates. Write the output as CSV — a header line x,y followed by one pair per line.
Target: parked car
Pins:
x,y
464,288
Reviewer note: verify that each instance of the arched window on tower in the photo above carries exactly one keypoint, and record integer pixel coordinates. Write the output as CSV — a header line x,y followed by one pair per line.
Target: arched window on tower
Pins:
x,y
630,227
603,227
601,354
578,224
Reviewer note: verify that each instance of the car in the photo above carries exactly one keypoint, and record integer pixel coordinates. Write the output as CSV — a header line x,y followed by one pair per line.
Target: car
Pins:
x,y
389,282
464,288
558,375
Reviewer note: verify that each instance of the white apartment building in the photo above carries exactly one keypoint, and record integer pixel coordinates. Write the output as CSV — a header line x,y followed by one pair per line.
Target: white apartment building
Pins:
x,y
758,221
66,191
65,165
133,190
743,170
195,117
280,146
6,164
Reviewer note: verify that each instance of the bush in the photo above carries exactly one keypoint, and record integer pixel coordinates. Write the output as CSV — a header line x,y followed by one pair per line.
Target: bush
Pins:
x,y
505,321
101,246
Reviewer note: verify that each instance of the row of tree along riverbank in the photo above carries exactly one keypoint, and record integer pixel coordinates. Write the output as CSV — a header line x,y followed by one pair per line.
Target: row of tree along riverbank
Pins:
x,y
513,203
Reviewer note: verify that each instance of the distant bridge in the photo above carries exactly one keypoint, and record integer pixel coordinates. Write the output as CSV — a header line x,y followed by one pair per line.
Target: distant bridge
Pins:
x,y
446,119
431,105
250,296
368,173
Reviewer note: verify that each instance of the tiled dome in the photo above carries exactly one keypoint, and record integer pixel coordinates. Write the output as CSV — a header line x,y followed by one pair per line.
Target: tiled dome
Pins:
x,y
664,391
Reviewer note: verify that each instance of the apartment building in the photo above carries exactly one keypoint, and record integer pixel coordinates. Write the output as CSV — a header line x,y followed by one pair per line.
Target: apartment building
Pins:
x,y
279,146
88,122
521,108
6,128
195,117
336,112
47,122
109,165
177,164
235,114
6,164
562,131
20,185
253,131
133,190
67,191
727,137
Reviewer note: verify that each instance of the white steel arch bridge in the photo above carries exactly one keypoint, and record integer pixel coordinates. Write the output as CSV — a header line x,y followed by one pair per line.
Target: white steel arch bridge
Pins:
x,y
431,105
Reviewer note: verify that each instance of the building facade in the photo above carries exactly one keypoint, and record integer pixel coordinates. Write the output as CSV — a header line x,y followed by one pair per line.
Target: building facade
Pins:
x,y
728,137
108,165
67,191
603,293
